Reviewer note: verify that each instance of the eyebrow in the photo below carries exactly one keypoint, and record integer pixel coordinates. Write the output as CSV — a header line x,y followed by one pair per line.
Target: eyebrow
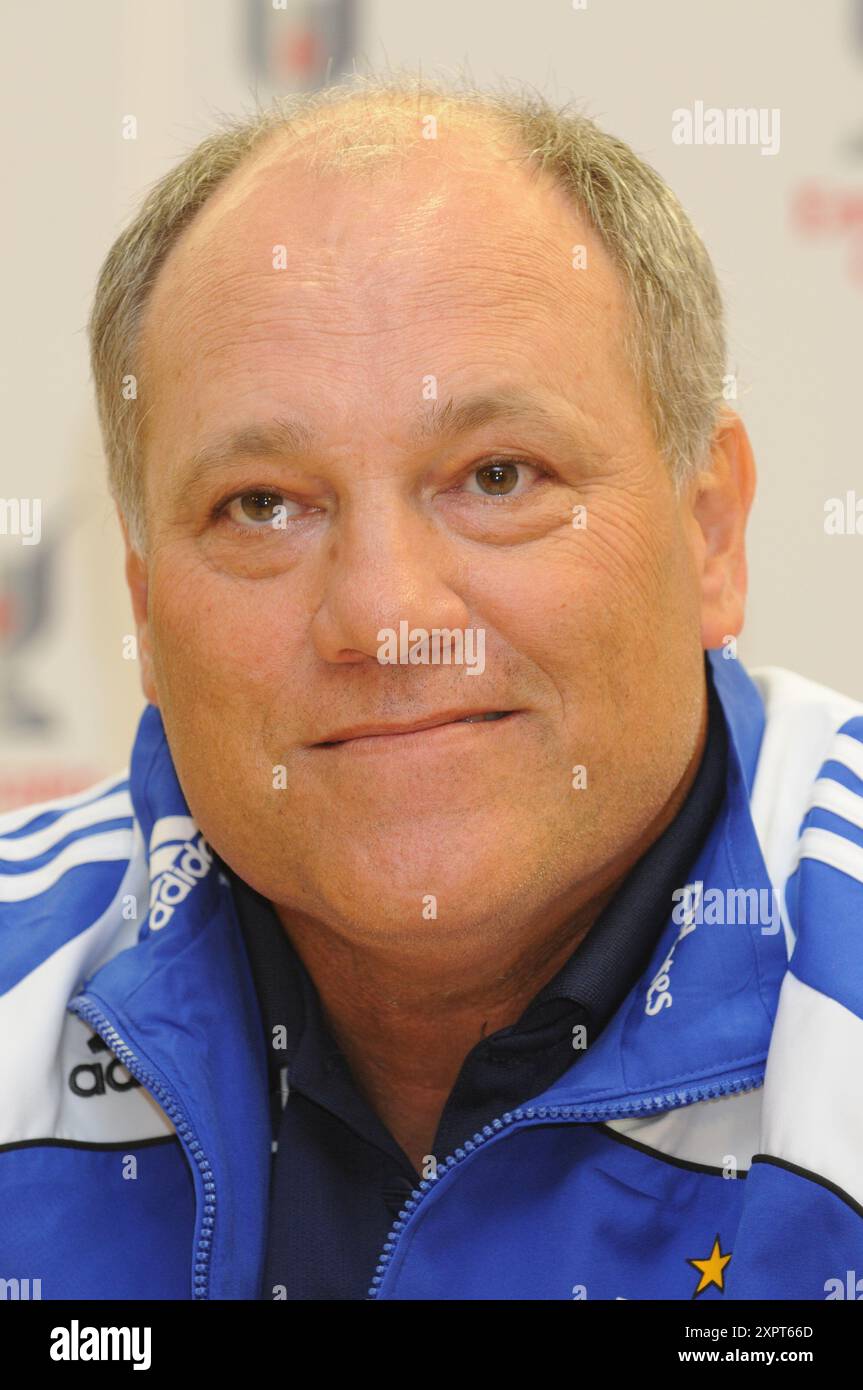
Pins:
x,y
451,418
284,438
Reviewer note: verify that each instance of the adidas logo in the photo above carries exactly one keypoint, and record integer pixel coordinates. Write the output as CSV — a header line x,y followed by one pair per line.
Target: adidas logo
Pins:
x,y
179,858
94,1079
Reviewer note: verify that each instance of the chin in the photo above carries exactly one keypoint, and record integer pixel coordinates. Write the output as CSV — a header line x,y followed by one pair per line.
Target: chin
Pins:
x,y
381,887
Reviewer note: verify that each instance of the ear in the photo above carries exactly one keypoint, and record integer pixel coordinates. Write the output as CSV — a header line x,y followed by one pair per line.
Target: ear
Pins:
x,y
136,578
720,499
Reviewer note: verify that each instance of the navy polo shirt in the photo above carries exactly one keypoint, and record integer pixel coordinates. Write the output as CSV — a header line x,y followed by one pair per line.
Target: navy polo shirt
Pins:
x,y
339,1178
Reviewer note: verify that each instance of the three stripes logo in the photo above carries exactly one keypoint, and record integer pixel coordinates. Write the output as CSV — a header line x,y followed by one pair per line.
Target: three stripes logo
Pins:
x,y
179,858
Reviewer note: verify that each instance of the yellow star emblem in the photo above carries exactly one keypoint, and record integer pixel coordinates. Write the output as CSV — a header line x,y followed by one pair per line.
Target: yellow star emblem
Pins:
x,y
711,1269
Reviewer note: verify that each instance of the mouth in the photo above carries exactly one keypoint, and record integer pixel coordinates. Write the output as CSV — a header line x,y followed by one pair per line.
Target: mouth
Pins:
x,y
448,720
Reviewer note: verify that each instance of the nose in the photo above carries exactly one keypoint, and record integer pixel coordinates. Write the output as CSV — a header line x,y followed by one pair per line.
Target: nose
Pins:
x,y
385,563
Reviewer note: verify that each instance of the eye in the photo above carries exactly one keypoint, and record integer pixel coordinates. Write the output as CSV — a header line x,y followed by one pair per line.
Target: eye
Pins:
x,y
255,510
501,478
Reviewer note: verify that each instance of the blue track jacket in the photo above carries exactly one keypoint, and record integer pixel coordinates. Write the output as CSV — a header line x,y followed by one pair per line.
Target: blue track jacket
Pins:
x,y
709,1145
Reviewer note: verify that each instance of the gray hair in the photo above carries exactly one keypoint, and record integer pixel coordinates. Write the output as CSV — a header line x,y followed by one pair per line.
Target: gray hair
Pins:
x,y
675,339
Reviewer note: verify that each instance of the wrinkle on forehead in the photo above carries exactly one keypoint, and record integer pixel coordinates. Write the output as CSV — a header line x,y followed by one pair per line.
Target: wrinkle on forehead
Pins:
x,y
433,248
511,282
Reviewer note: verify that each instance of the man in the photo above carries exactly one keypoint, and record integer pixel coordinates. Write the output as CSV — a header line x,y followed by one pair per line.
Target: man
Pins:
x,y
399,964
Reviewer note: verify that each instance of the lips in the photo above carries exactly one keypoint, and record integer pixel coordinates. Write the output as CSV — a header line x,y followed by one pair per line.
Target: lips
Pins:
x,y
434,721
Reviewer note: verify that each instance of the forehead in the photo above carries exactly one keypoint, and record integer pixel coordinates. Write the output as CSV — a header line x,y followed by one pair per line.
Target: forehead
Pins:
x,y
448,257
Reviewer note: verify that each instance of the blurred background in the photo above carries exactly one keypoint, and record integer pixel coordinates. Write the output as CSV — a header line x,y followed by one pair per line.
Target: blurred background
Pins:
x,y
785,230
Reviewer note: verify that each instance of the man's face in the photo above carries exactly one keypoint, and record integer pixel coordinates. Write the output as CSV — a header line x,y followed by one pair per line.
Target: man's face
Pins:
x,y
451,279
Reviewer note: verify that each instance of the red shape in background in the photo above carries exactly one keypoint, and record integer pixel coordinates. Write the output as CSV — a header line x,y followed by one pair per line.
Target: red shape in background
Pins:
x,y
300,52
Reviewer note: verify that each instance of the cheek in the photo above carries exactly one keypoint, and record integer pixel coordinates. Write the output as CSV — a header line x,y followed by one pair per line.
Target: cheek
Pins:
x,y
607,616
221,658
581,594
219,641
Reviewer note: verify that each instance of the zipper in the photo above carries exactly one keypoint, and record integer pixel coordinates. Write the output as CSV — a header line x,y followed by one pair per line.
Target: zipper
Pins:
x,y
87,1010
530,1113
